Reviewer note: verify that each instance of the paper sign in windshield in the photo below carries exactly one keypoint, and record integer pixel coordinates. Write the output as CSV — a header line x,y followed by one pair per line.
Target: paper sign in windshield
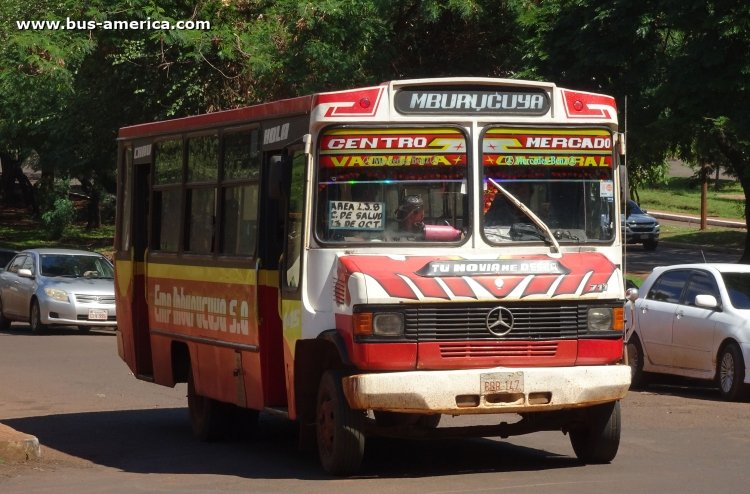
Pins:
x,y
354,215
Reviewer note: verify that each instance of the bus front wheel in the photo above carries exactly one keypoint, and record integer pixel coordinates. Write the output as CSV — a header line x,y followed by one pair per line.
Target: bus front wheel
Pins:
x,y
597,439
339,429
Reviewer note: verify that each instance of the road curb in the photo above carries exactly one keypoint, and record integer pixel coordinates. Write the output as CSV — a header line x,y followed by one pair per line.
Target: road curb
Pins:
x,y
18,447
695,219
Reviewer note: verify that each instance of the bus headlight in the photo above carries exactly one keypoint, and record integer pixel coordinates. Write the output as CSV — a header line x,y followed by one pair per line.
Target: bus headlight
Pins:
x,y
378,324
388,324
600,319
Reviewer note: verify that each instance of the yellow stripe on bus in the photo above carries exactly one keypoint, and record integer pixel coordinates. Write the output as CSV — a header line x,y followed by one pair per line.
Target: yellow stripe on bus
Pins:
x,y
242,276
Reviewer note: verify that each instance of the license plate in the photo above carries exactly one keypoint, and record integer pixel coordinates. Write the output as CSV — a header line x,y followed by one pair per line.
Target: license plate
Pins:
x,y
501,382
97,315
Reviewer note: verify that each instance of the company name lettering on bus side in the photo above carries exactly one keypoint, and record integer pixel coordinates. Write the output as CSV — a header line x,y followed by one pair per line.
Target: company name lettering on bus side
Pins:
x,y
212,313
493,102
142,151
276,134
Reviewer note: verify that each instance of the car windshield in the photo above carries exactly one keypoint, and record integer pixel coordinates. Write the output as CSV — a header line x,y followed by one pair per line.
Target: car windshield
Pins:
x,y
633,208
392,185
738,288
76,266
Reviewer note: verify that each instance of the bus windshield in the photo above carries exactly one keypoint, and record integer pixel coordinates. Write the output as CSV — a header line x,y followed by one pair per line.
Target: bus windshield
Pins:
x,y
565,177
398,185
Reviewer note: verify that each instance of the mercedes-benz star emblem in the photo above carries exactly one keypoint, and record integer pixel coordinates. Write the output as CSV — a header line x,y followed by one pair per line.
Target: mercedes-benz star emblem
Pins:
x,y
499,321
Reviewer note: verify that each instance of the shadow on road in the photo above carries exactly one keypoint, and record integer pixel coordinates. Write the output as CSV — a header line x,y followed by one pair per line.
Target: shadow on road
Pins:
x,y
681,387
160,441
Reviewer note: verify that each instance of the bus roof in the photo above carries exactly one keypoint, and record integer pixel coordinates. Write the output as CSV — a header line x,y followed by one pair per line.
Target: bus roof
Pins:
x,y
365,101
275,109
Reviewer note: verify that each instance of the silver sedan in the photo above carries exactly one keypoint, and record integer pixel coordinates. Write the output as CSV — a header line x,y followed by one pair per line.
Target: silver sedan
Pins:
x,y
58,287
693,320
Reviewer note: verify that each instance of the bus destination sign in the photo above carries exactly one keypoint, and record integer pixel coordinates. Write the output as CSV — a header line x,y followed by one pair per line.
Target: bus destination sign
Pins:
x,y
487,102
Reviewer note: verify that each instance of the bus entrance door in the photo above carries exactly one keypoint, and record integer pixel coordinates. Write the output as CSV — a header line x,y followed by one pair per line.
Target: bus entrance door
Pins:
x,y
141,337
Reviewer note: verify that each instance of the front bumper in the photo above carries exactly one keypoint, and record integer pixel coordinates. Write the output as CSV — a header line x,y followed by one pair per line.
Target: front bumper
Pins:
x,y
459,392
54,312
640,237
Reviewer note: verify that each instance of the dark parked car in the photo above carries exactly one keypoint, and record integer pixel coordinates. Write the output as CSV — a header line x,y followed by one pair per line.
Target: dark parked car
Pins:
x,y
639,227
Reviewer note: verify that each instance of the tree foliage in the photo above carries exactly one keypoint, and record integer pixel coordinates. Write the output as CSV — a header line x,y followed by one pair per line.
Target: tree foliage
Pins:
x,y
682,65
679,69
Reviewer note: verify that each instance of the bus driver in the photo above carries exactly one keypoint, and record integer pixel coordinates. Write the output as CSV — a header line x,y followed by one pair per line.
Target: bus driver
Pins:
x,y
410,217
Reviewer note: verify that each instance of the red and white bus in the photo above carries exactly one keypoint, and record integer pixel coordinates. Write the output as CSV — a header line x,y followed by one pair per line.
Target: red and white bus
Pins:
x,y
368,260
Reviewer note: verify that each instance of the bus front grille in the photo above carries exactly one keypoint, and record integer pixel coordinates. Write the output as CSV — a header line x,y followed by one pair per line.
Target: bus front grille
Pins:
x,y
531,321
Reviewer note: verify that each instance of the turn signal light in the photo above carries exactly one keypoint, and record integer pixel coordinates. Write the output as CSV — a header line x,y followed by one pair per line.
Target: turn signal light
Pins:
x,y
362,322
618,319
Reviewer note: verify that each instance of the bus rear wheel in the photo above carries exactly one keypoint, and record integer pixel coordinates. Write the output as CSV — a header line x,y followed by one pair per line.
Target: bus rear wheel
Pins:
x,y
209,418
597,438
339,429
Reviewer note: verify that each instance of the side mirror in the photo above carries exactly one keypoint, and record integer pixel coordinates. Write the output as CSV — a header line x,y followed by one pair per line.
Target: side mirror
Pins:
x,y
631,294
25,273
706,301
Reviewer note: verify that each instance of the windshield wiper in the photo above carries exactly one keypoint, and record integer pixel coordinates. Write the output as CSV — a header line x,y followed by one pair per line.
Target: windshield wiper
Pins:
x,y
566,235
555,247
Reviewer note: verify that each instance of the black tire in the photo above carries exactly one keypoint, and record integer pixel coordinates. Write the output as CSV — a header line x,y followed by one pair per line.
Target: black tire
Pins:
x,y
210,419
430,421
339,430
730,373
650,244
635,360
598,438
35,317
389,419
4,321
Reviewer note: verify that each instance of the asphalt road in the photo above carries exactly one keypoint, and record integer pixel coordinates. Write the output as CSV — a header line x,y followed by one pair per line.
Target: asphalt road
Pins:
x,y
102,431
640,261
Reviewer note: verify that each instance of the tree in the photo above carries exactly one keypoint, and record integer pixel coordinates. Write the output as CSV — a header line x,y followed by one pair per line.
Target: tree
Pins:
x,y
682,65
707,88
66,92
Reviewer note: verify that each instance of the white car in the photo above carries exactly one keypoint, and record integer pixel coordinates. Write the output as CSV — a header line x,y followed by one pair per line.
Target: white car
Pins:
x,y
62,287
693,320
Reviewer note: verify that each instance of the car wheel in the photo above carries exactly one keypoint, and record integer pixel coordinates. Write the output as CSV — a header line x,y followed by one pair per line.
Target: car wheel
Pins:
x,y
635,360
339,429
730,373
210,419
4,321
35,317
597,438
650,244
